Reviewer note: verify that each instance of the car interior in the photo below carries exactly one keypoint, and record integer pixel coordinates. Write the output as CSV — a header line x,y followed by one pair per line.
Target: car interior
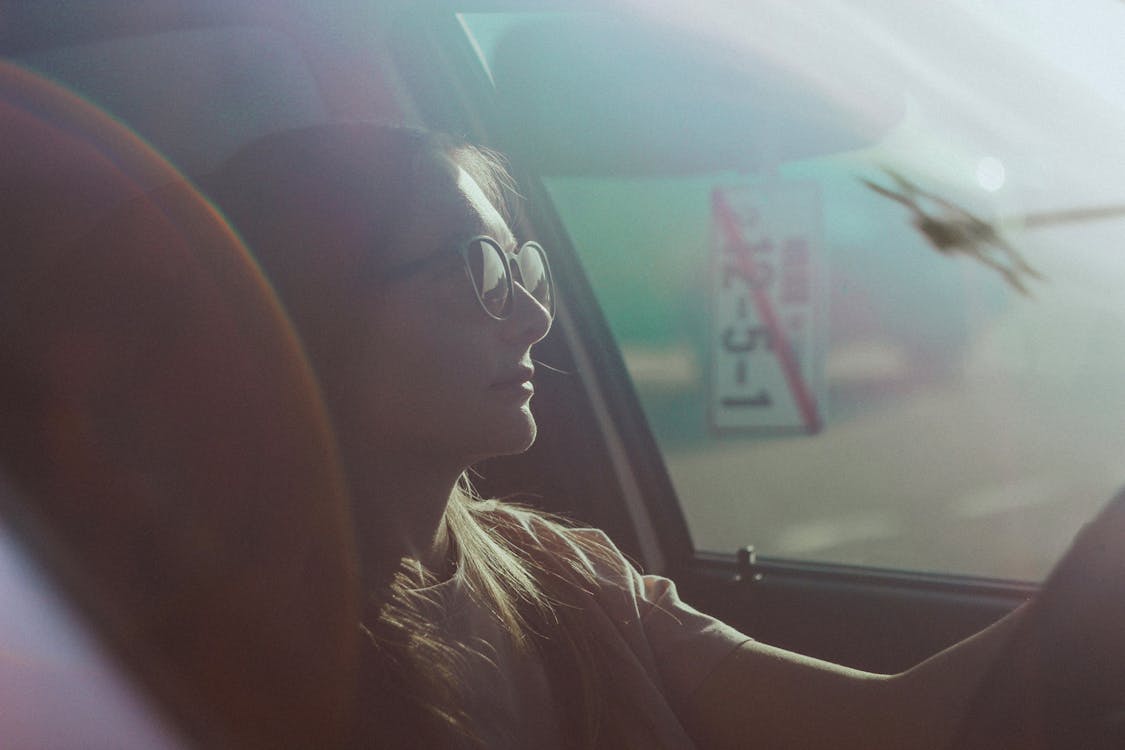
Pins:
x,y
937,409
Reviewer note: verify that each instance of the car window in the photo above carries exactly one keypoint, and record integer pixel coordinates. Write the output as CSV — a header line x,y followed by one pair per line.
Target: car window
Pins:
x,y
904,354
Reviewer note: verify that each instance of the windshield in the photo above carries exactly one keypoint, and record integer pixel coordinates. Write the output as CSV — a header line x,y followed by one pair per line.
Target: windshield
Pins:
x,y
903,354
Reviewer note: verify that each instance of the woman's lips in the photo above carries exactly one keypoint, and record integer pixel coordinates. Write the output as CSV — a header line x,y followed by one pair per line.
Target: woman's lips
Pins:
x,y
519,377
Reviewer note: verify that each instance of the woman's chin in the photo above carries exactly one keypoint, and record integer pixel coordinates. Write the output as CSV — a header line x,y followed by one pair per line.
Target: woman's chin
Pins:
x,y
510,439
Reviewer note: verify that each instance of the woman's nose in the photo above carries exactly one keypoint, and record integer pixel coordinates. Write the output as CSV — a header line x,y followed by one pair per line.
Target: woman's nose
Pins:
x,y
530,320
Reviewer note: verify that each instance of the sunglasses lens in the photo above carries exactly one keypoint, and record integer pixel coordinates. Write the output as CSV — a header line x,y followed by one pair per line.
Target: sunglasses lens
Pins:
x,y
534,276
489,272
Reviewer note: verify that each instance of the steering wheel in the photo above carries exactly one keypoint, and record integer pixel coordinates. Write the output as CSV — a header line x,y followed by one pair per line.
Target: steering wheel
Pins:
x,y
1060,684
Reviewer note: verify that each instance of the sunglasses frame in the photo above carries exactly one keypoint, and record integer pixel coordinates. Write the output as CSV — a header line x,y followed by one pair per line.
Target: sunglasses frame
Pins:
x,y
511,261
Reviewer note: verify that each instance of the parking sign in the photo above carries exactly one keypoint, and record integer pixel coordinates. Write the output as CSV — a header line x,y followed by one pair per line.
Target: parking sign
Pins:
x,y
767,286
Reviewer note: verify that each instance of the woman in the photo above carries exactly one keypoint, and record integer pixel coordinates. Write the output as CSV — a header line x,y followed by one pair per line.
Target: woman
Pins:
x,y
490,625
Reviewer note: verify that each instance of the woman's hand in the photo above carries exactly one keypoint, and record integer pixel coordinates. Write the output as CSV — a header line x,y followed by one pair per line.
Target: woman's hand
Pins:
x,y
1061,682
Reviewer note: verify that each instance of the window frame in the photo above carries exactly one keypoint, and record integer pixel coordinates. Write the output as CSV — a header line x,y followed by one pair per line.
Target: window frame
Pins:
x,y
645,489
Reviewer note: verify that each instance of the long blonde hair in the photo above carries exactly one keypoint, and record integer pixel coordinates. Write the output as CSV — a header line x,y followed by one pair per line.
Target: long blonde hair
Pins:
x,y
538,589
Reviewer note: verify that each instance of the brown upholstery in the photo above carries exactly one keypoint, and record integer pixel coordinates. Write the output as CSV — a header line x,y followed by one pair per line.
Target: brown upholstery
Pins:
x,y
178,474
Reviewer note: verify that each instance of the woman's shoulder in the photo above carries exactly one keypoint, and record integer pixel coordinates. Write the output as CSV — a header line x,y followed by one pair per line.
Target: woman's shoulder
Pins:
x,y
549,538
548,530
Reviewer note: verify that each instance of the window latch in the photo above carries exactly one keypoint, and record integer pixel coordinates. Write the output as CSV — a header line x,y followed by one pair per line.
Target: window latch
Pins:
x,y
747,570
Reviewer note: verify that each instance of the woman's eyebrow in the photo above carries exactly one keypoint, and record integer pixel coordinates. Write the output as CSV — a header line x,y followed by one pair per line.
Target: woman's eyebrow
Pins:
x,y
506,239
468,216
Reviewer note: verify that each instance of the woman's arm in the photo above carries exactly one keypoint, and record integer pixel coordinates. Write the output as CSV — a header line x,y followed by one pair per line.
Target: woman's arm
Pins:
x,y
773,698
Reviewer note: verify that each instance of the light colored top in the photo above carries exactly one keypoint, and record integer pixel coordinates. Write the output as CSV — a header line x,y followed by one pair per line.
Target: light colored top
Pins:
x,y
666,650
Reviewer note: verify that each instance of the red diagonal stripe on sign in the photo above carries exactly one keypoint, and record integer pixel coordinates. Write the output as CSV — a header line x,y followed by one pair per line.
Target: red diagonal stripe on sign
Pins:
x,y
743,255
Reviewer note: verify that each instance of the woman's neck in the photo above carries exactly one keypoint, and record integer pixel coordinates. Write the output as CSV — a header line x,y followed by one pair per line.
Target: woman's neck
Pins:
x,y
399,511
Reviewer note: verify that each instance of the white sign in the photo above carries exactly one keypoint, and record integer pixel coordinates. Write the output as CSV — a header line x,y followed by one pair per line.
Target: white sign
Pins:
x,y
768,331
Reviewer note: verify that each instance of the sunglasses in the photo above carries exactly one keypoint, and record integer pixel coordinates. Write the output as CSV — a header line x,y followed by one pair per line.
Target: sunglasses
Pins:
x,y
495,272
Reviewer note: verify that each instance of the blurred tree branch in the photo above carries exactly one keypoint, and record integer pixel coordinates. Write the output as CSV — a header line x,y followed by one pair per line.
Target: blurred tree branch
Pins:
x,y
952,230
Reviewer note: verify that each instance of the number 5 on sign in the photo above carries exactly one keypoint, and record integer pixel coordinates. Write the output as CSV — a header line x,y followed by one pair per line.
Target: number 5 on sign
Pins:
x,y
767,286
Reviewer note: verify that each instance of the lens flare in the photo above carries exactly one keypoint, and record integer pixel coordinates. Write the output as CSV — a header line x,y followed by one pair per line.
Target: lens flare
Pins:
x,y
991,174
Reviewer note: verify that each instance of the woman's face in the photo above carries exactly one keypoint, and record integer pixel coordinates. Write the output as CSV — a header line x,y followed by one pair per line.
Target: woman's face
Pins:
x,y
428,374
